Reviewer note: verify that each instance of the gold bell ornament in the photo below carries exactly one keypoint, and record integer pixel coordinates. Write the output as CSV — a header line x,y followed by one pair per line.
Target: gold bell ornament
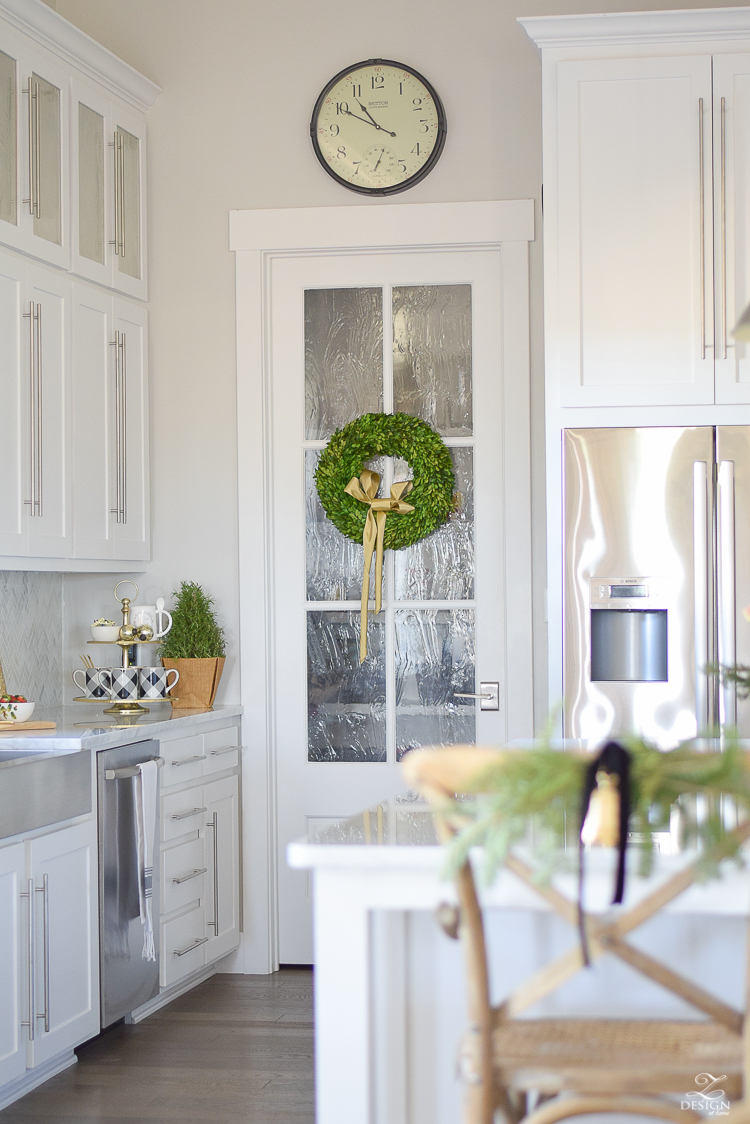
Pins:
x,y
601,828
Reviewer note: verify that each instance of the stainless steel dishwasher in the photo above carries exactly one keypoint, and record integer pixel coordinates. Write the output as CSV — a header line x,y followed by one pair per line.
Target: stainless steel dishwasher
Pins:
x,y
127,980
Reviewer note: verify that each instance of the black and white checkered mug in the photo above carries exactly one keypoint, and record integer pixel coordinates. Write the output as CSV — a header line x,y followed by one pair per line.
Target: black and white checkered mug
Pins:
x,y
153,682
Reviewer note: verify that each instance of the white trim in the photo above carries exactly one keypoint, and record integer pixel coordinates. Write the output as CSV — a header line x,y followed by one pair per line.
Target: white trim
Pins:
x,y
167,994
615,28
404,226
259,238
35,1077
46,27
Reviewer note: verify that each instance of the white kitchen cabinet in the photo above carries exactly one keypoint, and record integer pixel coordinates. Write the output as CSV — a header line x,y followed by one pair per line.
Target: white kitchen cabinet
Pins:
x,y
34,196
222,857
108,175
13,996
110,423
646,164
34,440
63,869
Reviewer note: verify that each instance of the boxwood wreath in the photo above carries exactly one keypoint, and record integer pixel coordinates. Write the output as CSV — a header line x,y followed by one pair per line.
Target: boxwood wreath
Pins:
x,y
342,467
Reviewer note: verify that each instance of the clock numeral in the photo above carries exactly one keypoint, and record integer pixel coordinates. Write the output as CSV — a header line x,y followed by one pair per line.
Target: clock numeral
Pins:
x,y
417,103
342,107
402,165
423,126
416,150
334,130
356,164
400,87
356,90
341,153
378,81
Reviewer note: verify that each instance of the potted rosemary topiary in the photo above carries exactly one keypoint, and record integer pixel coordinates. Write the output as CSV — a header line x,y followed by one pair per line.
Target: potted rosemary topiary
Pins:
x,y
195,646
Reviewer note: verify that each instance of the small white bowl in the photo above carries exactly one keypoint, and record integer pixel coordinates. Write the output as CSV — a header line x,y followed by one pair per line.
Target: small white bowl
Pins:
x,y
107,633
16,712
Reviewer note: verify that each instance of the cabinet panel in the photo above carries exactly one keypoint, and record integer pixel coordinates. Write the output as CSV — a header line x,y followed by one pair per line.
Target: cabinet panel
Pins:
x,y
14,415
222,750
183,946
93,424
131,527
731,115
634,273
47,317
91,180
222,859
183,872
13,995
63,868
129,168
8,139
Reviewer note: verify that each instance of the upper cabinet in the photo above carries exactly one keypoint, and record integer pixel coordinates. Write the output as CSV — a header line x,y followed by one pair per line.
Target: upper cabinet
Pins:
x,y
72,150
109,193
646,206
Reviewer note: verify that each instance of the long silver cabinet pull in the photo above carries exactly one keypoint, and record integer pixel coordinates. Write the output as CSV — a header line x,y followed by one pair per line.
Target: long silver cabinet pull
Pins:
x,y
187,815
39,412
122,194
702,241
187,760
726,591
120,429
33,137
700,589
213,823
116,146
34,316
190,947
193,874
723,228
124,427
31,1023
221,752
44,889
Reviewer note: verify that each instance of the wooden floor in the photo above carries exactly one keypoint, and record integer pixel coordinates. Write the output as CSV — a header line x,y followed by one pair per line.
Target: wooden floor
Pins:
x,y
234,1050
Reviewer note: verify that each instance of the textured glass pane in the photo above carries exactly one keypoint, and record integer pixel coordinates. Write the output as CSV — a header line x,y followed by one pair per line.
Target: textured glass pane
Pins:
x,y
434,659
8,143
334,562
441,567
343,357
345,699
432,355
48,224
130,260
90,184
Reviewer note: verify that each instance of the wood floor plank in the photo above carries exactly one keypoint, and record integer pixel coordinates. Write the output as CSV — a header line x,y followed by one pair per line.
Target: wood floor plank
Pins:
x,y
234,1050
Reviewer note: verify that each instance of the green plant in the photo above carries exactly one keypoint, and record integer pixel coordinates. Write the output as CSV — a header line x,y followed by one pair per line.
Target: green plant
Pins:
x,y
195,632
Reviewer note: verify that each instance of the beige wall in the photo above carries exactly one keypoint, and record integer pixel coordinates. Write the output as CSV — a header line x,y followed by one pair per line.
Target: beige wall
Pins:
x,y
231,131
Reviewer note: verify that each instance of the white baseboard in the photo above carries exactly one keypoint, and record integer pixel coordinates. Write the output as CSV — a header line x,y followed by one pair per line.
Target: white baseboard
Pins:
x,y
35,1077
170,993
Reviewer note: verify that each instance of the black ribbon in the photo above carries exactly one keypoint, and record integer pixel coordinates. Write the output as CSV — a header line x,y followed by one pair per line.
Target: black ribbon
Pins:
x,y
614,759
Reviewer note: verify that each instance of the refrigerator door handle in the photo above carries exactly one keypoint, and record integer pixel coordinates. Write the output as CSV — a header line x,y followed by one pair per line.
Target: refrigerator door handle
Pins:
x,y
700,587
726,589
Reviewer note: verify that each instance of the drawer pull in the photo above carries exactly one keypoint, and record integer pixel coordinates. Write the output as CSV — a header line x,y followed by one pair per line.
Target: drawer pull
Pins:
x,y
221,752
187,877
187,760
190,947
187,815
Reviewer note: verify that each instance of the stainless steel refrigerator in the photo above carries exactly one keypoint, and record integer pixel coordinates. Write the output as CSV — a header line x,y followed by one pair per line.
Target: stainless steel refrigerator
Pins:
x,y
656,574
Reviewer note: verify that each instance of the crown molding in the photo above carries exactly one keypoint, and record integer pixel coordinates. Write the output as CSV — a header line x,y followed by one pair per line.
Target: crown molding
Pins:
x,y
612,28
49,30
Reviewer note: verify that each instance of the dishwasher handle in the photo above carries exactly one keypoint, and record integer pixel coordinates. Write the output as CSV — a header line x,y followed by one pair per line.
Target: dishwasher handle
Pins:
x,y
129,770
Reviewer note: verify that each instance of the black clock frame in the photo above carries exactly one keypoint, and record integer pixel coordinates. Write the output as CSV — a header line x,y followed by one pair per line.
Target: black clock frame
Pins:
x,y
434,155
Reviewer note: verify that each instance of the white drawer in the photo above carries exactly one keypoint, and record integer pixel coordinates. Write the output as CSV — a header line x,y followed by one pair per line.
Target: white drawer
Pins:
x,y
183,878
183,946
183,760
221,748
181,813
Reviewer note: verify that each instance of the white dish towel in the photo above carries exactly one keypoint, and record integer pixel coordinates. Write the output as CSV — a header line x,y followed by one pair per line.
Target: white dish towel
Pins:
x,y
146,784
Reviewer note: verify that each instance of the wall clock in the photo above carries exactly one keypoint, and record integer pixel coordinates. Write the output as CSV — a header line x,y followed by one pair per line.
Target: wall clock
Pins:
x,y
378,127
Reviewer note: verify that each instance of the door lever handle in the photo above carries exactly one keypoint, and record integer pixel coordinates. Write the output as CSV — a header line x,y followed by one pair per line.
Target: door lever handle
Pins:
x,y
489,696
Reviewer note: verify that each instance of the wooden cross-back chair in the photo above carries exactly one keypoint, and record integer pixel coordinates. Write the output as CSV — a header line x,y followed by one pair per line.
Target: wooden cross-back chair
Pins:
x,y
576,1066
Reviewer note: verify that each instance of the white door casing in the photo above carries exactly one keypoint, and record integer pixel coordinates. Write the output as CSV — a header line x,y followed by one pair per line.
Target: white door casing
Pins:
x,y
274,247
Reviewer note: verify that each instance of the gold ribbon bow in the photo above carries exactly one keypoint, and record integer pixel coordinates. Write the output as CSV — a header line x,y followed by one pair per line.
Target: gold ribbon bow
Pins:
x,y
365,489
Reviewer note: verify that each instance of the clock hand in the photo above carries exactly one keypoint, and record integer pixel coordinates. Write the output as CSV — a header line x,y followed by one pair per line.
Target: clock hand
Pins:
x,y
356,117
365,110
379,159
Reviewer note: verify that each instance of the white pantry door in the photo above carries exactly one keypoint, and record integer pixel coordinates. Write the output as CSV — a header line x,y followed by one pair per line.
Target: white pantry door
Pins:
x,y
422,333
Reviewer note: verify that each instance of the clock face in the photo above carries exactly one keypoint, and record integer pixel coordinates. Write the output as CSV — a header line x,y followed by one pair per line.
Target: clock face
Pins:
x,y
378,128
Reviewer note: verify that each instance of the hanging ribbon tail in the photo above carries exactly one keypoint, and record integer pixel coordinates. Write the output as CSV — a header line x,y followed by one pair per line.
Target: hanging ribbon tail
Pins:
x,y
365,489
614,760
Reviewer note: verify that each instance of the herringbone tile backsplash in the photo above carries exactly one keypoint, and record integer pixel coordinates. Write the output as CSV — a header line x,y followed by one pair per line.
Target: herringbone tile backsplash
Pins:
x,y
31,635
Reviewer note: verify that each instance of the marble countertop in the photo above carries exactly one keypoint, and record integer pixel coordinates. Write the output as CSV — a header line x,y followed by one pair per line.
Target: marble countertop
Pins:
x,y
86,726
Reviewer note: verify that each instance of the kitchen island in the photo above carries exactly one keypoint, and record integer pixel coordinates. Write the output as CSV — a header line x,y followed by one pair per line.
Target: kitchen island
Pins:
x,y
389,993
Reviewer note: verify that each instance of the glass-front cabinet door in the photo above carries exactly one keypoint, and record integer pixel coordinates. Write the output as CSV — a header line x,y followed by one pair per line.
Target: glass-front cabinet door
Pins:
x,y
33,152
108,193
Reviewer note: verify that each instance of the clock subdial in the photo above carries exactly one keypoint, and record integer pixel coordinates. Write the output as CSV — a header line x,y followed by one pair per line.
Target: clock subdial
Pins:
x,y
379,160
